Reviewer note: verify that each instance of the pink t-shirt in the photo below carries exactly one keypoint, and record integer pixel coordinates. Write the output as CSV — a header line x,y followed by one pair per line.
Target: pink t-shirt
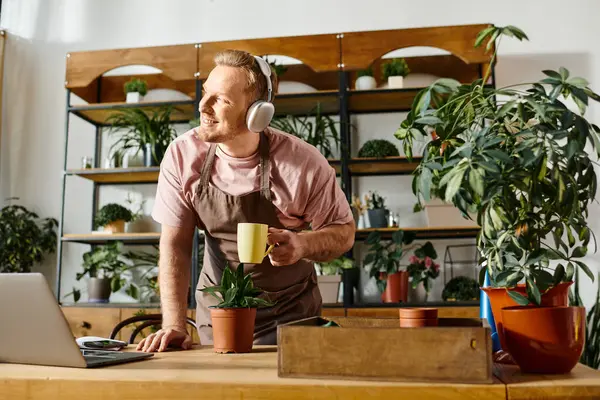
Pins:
x,y
303,184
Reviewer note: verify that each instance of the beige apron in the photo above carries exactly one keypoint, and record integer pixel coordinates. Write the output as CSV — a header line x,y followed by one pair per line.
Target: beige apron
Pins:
x,y
293,287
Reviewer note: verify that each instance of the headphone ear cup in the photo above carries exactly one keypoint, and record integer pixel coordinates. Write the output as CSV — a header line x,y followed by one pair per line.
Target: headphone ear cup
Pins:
x,y
259,116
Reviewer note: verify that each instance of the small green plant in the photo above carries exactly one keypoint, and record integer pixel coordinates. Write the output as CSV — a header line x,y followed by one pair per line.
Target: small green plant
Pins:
x,y
136,85
374,201
237,290
461,288
112,212
335,267
395,67
385,257
25,238
365,72
422,268
279,69
378,148
107,262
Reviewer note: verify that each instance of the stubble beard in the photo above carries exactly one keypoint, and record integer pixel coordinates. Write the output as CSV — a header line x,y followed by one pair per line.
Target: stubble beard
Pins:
x,y
217,134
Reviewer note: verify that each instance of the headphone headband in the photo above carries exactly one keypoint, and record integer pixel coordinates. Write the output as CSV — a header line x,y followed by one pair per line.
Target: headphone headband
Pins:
x,y
266,70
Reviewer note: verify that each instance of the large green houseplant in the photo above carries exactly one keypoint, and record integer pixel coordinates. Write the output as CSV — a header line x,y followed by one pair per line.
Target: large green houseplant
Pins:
x,y
515,156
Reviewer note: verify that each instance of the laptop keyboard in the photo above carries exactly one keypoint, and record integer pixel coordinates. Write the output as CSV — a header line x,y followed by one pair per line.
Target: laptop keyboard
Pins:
x,y
93,355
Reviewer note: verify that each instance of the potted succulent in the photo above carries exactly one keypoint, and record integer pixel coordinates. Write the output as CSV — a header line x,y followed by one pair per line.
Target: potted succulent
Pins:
x,y
422,270
314,128
515,157
461,288
234,316
384,259
377,212
329,276
105,267
135,89
145,132
25,238
365,80
112,218
378,148
394,72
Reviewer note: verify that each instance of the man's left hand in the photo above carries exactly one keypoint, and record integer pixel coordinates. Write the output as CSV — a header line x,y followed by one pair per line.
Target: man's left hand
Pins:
x,y
289,249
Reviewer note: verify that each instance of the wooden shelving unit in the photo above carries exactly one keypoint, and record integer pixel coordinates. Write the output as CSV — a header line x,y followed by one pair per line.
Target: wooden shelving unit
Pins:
x,y
329,63
424,233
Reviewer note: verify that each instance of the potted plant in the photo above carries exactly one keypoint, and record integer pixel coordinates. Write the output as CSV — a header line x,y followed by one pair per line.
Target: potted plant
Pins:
x,y
25,238
422,270
365,80
105,267
279,69
394,72
234,316
515,157
384,260
377,212
378,148
135,90
314,128
461,288
149,133
112,218
329,276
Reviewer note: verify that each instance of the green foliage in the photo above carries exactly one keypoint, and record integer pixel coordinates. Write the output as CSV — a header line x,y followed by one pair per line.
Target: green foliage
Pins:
x,y
422,268
384,256
107,262
365,72
519,163
374,201
320,132
141,128
395,67
112,212
461,288
25,238
237,290
378,148
136,85
279,69
335,267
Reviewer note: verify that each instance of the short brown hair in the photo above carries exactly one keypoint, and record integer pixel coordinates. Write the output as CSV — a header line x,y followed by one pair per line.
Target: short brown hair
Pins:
x,y
256,79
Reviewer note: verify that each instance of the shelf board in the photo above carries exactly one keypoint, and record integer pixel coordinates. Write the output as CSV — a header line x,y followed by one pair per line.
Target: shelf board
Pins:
x,y
383,166
303,103
103,238
118,175
183,111
381,100
428,232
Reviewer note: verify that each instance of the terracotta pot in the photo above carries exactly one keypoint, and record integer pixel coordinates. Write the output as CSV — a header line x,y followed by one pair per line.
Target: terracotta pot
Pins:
x,y
418,313
417,323
396,290
115,227
499,299
544,340
233,329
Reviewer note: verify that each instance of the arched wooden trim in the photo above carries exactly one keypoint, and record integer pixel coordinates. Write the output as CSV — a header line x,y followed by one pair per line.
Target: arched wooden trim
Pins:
x,y
320,52
178,62
360,49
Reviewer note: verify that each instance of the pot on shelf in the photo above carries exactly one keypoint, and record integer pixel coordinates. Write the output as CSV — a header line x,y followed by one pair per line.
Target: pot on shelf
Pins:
x,y
233,329
115,227
378,218
329,286
554,297
544,340
396,289
98,290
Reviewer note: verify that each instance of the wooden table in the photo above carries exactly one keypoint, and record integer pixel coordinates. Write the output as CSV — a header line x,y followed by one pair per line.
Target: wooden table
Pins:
x,y
202,374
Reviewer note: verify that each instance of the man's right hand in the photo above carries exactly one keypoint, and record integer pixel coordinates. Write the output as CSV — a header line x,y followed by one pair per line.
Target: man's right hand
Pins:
x,y
159,341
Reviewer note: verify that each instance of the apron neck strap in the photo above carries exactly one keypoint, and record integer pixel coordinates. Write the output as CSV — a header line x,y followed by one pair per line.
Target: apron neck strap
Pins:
x,y
265,165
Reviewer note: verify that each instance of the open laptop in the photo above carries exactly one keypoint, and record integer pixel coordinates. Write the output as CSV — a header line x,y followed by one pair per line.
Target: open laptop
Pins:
x,y
33,329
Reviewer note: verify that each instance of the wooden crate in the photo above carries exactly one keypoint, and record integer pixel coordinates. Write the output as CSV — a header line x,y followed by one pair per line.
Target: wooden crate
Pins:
x,y
458,350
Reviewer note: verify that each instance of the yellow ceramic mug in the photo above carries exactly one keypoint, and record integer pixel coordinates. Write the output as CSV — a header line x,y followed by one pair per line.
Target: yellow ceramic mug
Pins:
x,y
252,241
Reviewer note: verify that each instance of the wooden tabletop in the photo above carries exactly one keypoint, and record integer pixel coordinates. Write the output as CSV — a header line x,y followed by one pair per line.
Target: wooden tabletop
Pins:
x,y
582,383
202,374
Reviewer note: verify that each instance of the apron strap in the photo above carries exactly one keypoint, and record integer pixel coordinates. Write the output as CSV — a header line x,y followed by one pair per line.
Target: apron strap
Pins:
x,y
265,166
207,166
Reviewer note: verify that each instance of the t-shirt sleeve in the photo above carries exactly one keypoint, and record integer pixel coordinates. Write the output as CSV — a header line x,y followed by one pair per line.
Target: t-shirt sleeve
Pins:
x,y
171,206
327,203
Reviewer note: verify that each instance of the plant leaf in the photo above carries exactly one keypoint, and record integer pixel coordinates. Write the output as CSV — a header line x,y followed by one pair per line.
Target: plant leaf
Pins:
x,y
454,185
518,298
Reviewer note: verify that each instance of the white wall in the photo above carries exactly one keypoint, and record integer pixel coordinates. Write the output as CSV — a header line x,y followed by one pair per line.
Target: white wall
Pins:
x,y
42,32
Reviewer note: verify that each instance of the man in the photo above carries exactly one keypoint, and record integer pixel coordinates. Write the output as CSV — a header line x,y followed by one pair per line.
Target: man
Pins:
x,y
211,178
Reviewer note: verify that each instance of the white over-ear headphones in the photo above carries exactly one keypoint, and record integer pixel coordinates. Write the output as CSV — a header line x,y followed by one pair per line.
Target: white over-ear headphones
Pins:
x,y
261,112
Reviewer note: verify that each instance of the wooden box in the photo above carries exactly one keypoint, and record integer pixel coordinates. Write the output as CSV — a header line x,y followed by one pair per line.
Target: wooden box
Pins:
x,y
457,350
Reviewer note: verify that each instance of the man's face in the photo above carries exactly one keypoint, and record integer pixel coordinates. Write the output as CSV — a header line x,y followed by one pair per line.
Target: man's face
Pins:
x,y
223,105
